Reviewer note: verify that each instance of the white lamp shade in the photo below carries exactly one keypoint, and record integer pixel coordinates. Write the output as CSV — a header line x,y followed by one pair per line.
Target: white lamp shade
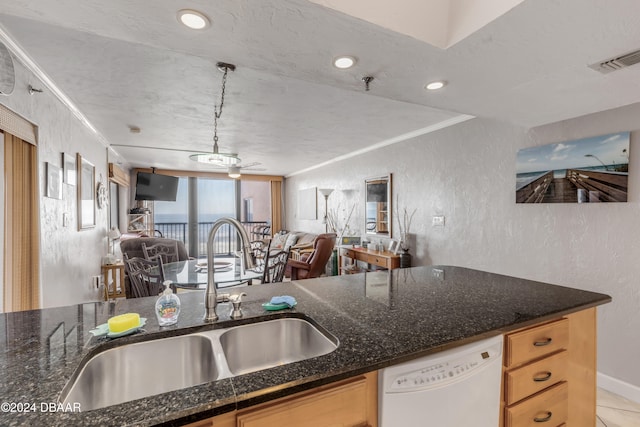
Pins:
x,y
114,233
234,172
325,191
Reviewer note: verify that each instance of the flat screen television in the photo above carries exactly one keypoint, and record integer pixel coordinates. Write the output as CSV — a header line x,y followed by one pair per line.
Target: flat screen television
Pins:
x,y
152,186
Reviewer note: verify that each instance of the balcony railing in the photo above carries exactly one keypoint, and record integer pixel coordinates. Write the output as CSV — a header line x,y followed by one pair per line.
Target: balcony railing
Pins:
x,y
226,241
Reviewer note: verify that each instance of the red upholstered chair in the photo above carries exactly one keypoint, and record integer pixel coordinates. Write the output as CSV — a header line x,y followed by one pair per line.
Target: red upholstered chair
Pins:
x,y
314,264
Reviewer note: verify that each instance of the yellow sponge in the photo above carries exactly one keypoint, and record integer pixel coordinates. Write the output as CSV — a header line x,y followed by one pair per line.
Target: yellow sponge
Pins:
x,y
123,322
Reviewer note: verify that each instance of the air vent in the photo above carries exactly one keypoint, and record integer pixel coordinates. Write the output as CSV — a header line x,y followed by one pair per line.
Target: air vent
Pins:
x,y
617,63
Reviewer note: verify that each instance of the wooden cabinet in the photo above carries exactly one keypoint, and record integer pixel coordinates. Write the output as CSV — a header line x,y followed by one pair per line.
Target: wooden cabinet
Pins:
x,y
349,403
549,373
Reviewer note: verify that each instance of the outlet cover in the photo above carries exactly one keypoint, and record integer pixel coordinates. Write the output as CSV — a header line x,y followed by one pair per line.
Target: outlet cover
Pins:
x,y
438,221
95,282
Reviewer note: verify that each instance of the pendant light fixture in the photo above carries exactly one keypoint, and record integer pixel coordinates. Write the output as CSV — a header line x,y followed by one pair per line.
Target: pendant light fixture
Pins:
x,y
215,157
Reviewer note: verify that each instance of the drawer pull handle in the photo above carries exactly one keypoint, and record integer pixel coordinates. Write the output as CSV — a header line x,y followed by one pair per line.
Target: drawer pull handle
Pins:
x,y
542,343
546,377
543,419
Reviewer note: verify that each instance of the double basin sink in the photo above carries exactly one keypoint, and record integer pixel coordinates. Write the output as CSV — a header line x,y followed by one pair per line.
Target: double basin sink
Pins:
x,y
135,371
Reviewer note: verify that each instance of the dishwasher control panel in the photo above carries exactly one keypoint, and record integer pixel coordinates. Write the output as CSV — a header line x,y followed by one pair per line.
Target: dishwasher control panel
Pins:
x,y
445,372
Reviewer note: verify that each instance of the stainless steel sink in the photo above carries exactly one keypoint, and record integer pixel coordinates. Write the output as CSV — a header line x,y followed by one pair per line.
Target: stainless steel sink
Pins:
x,y
143,369
134,371
258,346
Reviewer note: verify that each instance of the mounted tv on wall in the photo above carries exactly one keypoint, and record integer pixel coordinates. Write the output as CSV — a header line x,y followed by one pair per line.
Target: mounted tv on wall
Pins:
x,y
152,186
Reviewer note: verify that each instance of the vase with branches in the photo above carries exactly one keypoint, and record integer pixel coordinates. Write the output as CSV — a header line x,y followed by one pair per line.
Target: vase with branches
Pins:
x,y
404,224
334,222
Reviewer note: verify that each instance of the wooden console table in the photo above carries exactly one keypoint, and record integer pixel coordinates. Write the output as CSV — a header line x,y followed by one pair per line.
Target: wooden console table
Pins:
x,y
382,259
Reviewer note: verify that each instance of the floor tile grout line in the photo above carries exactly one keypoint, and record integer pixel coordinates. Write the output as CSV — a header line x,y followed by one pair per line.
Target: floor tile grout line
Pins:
x,y
634,411
601,420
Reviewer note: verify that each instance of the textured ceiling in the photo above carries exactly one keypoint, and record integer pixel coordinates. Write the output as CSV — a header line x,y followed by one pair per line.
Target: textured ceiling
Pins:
x,y
129,63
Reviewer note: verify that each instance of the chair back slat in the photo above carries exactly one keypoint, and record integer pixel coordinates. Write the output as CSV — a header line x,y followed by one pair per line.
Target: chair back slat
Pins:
x,y
144,281
167,251
274,266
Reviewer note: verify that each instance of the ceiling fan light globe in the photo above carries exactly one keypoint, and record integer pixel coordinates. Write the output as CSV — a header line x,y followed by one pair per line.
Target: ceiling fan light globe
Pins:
x,y
234,172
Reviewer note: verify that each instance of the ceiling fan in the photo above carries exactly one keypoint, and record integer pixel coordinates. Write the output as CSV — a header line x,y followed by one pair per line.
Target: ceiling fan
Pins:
x,y
216,158
232,168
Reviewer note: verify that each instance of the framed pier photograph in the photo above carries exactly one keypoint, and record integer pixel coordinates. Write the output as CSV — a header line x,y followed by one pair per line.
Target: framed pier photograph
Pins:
x,y
588,170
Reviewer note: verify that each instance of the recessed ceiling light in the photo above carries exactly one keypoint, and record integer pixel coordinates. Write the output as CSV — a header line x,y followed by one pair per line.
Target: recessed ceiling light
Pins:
x,y
193,19
436,85
344,62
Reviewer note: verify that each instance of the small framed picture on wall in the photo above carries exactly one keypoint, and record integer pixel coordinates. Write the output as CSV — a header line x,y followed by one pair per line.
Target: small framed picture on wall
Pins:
x,y
54,181
69,168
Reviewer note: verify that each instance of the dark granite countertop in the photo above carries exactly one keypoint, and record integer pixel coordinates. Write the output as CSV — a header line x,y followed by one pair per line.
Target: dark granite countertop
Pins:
x,y
380,319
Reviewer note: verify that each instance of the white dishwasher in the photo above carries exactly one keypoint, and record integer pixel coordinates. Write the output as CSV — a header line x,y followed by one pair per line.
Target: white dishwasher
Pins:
x,y
459,387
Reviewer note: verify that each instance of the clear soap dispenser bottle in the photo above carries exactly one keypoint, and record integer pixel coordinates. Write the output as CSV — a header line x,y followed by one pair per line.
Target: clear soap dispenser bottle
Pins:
x,y
167,306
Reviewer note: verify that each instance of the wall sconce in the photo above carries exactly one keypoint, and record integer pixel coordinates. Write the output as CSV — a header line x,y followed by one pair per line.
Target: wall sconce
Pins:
x,y
326,192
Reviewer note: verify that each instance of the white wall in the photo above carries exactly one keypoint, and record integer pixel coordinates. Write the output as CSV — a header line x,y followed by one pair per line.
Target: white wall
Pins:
x,y
467,173
68,257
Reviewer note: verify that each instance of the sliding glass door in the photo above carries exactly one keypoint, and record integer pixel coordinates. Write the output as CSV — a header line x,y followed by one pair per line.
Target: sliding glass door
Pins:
x,y
202,201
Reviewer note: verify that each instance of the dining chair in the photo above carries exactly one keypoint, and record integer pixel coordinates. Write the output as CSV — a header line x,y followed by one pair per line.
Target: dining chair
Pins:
x,y
144,280
274,266
259,251
167,251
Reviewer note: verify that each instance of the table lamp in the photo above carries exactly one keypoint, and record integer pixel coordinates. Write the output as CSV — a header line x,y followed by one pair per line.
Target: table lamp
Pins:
x,y
112,235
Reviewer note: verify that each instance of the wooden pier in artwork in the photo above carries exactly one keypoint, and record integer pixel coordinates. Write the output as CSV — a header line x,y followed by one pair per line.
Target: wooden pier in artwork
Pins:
x,y
586,185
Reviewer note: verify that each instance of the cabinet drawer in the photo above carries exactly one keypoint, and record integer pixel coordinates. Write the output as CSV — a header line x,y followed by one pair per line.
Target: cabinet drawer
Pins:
x,y
548,409
349,253
537,342
379,261
336,406
534,377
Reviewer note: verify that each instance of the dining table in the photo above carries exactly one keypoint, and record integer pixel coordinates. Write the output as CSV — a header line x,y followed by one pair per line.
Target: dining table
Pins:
x,y
192,273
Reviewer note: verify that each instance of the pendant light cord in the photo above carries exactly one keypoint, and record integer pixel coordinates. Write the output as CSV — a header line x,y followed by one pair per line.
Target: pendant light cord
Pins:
x,y
216,113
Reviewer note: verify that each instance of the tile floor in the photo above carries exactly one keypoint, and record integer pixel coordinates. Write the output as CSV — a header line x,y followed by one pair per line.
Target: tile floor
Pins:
x,y
616,411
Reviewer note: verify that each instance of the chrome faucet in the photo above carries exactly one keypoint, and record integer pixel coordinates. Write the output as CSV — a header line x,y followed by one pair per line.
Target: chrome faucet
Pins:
x,y
210,295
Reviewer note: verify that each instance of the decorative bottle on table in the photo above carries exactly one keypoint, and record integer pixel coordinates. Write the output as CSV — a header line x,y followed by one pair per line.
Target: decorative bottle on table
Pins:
x,y
405,256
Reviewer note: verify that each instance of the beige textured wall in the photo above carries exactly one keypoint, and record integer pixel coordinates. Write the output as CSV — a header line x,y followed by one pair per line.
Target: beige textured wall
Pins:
x,y
467,174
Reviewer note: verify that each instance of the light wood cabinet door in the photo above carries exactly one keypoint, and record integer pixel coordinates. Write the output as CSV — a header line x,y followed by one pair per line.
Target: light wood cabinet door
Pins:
x,y
348,403
534,377
342,405
536,342
550,408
